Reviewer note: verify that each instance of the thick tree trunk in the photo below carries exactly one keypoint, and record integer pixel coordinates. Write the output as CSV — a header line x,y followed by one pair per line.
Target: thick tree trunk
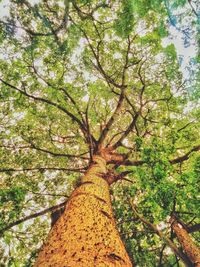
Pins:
x,y
86,235
188,245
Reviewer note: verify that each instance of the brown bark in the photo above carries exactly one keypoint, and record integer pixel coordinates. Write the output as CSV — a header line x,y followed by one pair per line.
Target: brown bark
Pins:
x,y
167,240
193,228
188,245
86,235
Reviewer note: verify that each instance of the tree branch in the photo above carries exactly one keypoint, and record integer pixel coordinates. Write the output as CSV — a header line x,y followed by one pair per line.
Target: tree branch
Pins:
x,y
173,247
194,11
42,169
99,67
186,156
91,140
33,146
52,31
111,120
84,123
185,126
126,162
47,101
126,132
32,216
185,240
194,228
58,154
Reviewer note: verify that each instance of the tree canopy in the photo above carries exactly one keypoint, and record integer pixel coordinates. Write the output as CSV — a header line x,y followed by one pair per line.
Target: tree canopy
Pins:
x,y
79,75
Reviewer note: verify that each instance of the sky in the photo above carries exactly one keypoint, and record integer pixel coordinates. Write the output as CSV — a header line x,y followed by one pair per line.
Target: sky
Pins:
x,y
176,37
185,53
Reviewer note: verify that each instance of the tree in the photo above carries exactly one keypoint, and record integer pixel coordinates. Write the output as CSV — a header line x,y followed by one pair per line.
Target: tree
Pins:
x,y
185,240
94,111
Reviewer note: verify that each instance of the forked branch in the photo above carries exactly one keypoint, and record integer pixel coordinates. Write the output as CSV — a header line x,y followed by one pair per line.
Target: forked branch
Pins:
x,y
169,243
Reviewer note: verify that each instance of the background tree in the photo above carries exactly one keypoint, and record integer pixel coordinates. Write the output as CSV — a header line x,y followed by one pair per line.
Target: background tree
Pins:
x,y
77,76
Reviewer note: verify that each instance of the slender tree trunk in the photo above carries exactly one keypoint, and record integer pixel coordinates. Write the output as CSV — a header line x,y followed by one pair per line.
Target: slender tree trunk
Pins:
x,y
86,235
188,245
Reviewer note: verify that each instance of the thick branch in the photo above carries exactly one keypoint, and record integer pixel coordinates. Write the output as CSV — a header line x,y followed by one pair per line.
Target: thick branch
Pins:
x,y
174,161
186,156
91,140
189,229
194,228
188,245
173,247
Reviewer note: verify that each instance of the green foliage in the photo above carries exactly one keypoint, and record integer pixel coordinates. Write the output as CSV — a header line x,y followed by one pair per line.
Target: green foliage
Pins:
x,y
125,21
197,166
171,52
178,3
65,68
15,195
162,29
11,204
138,142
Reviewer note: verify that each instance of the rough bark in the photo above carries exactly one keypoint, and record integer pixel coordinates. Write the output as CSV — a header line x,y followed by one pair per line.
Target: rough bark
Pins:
x,y
55,215
86,235
188,245
186,261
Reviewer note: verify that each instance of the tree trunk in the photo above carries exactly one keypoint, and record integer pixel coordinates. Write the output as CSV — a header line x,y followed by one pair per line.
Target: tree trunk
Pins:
x,y
188,245
86,235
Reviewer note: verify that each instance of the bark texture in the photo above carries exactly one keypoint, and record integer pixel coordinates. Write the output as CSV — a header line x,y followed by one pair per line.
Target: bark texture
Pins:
x,y
188,245
86,235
